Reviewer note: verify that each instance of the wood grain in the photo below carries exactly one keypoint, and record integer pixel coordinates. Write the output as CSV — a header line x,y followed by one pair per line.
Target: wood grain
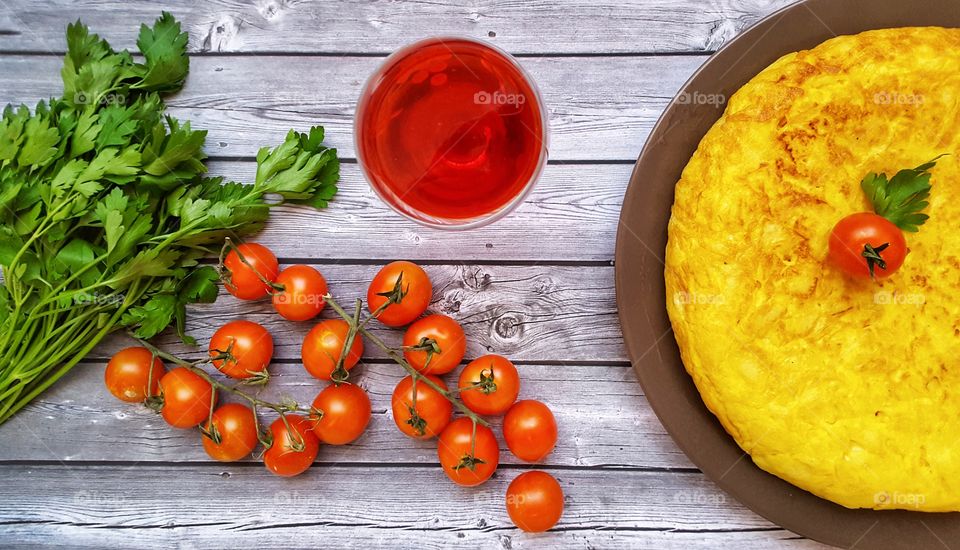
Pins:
x,y
622,431
600,108
530,27
571,216
80,469
527,313
247,504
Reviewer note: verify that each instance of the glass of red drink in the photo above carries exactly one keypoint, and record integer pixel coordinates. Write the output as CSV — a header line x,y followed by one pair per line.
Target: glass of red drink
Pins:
x,y
451,132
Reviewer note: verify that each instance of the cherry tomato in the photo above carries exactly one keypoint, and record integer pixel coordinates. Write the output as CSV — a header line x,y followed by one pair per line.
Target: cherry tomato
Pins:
x,y
252,348
530,430
237,430
186,398
128,374
241,279
433,409
417,293
463,462
324,345
302,295
493,383
293,450
535,501
346,413
443,340
859,236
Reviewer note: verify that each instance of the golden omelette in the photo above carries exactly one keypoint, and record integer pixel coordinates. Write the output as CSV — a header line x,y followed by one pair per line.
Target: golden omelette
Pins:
x,y
848,389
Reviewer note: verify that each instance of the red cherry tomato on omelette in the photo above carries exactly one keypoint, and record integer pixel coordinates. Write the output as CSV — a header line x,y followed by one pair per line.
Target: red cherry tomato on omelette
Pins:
x,y
128,372
249,344
302,296
186,398
293,449
241,279
237,430
415,286
858,234
439,344
463,462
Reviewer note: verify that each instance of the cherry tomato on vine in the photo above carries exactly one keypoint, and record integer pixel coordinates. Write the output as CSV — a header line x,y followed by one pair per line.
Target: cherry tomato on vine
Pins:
x,y
435,344
463,461
302,295
530,430
241,279
324,345
865,239
293,449
489,385
128,374
346,413
535,501
433,410
252,348
237,430
414,285
186,398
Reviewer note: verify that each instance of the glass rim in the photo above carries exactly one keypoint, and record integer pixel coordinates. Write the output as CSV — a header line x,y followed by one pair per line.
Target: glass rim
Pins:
x,y
453,223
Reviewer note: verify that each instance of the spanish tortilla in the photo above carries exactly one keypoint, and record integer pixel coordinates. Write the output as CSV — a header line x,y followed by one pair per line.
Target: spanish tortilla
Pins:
x,y
848,390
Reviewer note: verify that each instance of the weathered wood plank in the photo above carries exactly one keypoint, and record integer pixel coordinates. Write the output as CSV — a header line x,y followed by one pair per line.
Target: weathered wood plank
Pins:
x,y
570,216
247,500
536,26
600,108
621,431
30,535
527,313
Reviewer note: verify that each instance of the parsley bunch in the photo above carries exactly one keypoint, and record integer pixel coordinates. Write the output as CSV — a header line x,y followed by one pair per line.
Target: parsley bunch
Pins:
x,y
105,211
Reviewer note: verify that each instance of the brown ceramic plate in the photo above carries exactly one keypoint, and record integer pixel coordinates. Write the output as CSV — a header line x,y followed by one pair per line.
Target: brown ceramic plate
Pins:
x,y
642,239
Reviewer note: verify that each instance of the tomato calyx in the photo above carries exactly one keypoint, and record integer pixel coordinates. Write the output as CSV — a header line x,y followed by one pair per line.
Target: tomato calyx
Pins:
x,y
873,257
428,345
223,357
486,384
393,296
469,461
416,421
212,433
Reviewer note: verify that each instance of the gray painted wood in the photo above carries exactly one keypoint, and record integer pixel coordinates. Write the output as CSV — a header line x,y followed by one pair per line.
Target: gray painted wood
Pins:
x,y
600,108
571,215
530,26
528,313
80,469
390,506
622,431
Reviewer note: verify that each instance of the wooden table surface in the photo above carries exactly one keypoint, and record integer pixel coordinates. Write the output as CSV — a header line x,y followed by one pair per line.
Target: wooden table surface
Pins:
x,y
78,468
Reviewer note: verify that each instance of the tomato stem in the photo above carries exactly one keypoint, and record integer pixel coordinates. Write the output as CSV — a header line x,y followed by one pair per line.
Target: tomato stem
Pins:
x,y
227,276
398,358
256,403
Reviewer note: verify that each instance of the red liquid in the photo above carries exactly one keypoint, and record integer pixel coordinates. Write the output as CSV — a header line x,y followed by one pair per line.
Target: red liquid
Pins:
x,y
450,130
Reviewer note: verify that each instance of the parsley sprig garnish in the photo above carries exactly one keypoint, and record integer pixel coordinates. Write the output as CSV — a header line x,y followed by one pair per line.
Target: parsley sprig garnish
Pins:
x,y
901,199
105,209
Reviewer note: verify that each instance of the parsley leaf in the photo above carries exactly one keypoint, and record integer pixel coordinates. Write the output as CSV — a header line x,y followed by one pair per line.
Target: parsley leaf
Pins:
x,y
105,212
902,198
